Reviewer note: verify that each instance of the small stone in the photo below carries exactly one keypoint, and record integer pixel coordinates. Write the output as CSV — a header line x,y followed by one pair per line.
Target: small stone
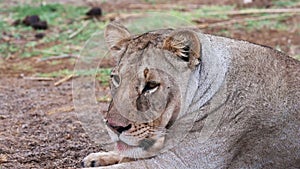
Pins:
x,y
39,35
40,25
30,20
16,22
94,12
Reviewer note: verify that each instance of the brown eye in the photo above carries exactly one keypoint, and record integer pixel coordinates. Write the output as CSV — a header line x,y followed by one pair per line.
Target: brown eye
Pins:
x,y
150,86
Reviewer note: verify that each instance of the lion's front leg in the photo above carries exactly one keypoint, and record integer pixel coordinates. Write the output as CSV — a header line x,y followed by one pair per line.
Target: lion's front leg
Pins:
x,y
167,160
139,164
103,159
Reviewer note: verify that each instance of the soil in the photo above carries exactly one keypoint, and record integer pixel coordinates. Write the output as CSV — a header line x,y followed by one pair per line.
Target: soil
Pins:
x,y
283,40
32,136
38,129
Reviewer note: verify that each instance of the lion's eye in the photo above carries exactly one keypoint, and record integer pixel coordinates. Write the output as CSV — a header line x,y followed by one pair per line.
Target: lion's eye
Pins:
x,y
151,86
115,80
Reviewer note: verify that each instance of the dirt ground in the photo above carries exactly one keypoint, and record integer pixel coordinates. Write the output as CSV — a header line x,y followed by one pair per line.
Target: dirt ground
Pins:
x,y
32,136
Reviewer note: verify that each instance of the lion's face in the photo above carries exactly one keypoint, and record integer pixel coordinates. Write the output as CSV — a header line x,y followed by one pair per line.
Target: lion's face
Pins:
x,y
145,87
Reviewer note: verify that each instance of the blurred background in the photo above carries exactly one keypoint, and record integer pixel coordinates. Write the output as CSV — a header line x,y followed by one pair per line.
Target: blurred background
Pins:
x,y
41,39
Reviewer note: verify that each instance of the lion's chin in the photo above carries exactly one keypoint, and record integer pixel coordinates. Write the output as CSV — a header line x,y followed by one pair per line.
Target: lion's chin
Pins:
x,y
140,151
121,146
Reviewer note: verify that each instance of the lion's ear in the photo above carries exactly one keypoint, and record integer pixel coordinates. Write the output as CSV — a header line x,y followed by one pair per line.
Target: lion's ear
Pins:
x,y
114,33
186,45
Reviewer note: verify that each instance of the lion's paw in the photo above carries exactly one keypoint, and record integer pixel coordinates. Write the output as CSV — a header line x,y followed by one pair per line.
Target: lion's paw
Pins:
x,y
101,159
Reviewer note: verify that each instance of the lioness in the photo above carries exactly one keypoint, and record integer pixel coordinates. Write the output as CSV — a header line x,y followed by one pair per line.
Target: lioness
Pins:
x,y
163,76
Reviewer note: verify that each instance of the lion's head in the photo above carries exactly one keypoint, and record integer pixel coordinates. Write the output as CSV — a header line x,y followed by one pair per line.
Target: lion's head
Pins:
x,y
148,85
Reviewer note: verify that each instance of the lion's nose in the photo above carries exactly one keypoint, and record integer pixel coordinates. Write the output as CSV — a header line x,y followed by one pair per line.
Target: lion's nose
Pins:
x,y
118,129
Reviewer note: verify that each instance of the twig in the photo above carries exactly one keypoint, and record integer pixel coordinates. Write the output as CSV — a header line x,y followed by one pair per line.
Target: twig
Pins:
x,y
154,6
56,57
233,21
79,30
257,11
48,52
3,158
63,80
117,16
104,99
39,78
61,110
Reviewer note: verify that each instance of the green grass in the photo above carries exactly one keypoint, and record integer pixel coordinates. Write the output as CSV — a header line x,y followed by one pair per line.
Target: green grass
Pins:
x,y
55,62
102,74
8,48
285,3
2,24
54,14
297,57
22,67
60,73
65,72
150,1
208,12
175,18
224,32
219,12
274,23
62,20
